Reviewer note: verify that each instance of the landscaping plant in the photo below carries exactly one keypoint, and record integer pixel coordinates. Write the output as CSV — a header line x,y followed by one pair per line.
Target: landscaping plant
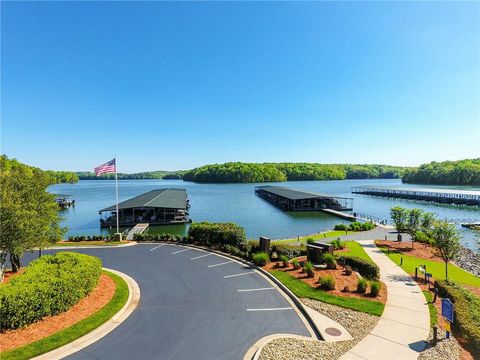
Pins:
x,y
308,269
260,259
327,282
375,287
330,261
296,264
362,286
447,242
366,269
284,260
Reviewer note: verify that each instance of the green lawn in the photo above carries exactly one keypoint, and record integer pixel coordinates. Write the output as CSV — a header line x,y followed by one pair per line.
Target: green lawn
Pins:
x,y
437,269
355,249
326,235
89,243
74,332
431,308
302,290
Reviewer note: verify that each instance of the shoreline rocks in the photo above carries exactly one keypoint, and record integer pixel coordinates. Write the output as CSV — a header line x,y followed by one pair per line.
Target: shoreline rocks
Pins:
x,y
469,260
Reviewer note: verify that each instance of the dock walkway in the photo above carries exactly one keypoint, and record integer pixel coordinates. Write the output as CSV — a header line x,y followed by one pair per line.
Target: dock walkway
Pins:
x,y
137,229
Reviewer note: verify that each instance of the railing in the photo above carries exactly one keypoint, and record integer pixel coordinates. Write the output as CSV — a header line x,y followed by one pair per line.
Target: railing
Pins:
x,y
366,217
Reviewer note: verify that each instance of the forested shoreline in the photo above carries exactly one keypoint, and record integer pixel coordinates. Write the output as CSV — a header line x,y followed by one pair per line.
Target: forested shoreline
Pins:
x,y
55,177
160,174
235,172
461,172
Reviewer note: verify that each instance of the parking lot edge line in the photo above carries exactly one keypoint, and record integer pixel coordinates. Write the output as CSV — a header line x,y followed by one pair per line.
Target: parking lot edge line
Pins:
x,y
245,273
257,289
220,264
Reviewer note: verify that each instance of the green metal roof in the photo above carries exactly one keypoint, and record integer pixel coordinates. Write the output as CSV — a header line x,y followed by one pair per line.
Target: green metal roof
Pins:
x,y
159,198
293,194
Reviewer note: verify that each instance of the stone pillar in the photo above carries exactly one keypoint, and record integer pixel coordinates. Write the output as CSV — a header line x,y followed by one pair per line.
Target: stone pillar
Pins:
x,y
264,244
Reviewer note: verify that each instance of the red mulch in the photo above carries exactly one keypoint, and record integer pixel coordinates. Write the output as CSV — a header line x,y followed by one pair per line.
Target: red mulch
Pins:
x,y
90,304
8,275
341,280
420,250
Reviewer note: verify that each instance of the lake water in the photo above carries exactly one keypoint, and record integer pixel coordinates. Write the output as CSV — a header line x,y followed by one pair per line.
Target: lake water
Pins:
x,y
238,203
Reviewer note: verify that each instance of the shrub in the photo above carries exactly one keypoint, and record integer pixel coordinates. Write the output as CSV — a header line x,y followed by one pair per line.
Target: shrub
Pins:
x,y
466,322
362,286
327,282
310,240
367,226
375,287
290,250
366,269
50,285
355,226
308,269
295,264
343,227
206,233
338,244
330,261
284,260
260,259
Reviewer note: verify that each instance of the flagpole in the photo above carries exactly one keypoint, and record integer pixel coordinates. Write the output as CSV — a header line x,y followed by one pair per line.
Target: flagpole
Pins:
x,y
116,192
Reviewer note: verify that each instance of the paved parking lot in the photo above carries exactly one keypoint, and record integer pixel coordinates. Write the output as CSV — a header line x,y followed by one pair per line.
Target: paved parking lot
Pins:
x,y
194,305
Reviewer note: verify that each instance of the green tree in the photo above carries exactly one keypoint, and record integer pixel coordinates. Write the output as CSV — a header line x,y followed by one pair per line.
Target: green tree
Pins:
x,y
399,217
447,242
414,222
29,216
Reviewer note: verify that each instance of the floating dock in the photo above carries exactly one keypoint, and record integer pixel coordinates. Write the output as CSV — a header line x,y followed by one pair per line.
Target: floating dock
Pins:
x,y
156,207
443,196
289,199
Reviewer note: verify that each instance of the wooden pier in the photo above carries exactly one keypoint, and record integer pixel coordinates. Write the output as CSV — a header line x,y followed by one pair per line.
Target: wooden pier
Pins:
x,y
442,196
137,229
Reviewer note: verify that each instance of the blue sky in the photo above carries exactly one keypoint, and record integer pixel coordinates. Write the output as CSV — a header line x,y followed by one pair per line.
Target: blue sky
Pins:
x,y
177,85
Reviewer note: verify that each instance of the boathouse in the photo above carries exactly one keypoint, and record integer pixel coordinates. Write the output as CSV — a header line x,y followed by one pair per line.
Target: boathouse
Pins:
x,y
297,200
156,207
443,196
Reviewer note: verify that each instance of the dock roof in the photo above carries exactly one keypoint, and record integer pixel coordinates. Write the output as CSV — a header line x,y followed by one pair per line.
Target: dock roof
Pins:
x,y
293,194
159,198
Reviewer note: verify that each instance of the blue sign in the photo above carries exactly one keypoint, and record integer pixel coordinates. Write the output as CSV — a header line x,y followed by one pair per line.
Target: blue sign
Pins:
x,y
447,309
428,275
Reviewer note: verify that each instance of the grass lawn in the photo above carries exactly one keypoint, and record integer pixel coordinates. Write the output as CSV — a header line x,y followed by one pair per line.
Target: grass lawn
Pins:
x,y
75,331
89,243
325,235
355,249
302,290
437,269
431,308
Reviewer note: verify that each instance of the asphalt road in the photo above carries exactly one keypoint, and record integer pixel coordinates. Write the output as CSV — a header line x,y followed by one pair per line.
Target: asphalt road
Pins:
x,y
188,308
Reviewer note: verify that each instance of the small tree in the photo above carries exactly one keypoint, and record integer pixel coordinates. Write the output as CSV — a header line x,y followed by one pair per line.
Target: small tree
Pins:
x,y
399,217
28,213
447,242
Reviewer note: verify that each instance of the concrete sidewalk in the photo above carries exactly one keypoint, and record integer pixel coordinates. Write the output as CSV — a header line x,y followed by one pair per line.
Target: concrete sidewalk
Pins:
x,y
405,323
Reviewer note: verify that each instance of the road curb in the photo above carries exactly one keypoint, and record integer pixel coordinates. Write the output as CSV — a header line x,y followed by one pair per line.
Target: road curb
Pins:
x,y
95,335
90,246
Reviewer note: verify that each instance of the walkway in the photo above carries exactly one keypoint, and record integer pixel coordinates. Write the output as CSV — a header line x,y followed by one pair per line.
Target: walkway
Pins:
x,y
405,322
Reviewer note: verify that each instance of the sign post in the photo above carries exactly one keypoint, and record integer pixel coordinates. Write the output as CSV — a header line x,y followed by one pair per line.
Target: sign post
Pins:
x,y
447,313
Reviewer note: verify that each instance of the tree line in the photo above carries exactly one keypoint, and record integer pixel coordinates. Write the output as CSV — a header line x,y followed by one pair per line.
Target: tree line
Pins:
x,y
53,177
272,172
160,174
461,172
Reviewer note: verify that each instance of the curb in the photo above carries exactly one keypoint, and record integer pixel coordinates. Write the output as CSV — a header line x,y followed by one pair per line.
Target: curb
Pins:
x,y
90,247
95,335
270,277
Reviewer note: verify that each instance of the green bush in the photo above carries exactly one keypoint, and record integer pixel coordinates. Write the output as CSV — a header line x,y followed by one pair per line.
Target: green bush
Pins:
x,y
338,244
156,237
295,264
308,269
310,240
327,282
206,233
362,286
466,322
290,250
330,261
366,269
375,287
284,260
368,226
343,227
260,259
50,285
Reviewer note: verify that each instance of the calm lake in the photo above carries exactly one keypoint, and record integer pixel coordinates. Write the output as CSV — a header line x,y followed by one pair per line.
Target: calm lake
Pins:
x,y
238,203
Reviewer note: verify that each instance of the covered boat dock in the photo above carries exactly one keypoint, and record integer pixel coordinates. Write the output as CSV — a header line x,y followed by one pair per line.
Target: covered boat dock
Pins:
x,y
156,207
443,196
289,199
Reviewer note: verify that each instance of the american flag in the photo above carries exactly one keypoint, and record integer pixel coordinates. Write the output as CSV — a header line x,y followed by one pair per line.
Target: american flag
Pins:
x,y
108,167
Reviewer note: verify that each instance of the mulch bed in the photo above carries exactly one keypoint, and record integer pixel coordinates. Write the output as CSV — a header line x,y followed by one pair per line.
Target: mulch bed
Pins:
x,y
341,280
90,304
420,250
